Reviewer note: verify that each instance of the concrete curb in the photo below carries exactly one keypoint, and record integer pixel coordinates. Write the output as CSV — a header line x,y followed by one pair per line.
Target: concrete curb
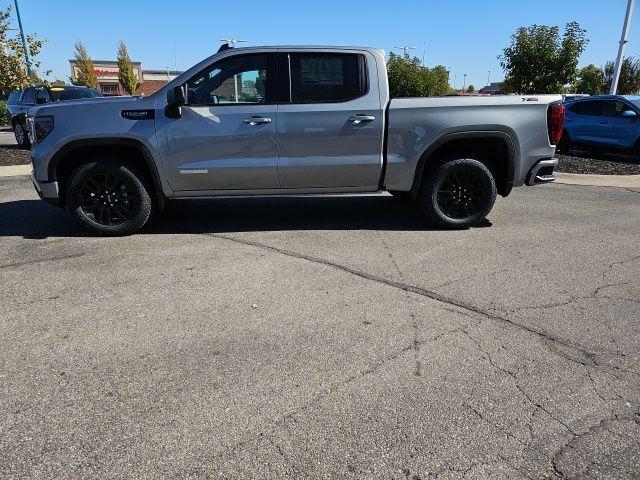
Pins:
x,y
15,170
622,181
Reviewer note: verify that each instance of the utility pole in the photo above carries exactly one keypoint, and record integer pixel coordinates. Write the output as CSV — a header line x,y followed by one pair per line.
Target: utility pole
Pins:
x,y
405,49
24,41
623,42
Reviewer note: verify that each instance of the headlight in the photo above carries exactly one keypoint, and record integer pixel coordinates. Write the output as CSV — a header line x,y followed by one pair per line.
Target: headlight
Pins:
x,y
39,128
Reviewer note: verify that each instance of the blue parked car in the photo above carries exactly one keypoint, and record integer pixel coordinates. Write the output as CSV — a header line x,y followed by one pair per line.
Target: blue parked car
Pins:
x,y
608,123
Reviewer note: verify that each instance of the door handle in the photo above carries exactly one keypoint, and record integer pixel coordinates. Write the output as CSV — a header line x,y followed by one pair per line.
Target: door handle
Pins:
x,y
358,119
603,121
255,120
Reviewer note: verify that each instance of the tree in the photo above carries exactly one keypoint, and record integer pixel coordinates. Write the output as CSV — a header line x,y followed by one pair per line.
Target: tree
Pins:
x,y
409,78
126,76
629,82
13,71
471,89
539,61
86,74
590,80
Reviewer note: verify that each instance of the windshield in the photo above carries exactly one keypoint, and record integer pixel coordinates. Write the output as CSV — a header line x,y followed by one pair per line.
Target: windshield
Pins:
x,y
636,102
72,93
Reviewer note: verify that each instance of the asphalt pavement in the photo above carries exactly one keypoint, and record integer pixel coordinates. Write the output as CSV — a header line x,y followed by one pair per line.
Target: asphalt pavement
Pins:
x,y
336,337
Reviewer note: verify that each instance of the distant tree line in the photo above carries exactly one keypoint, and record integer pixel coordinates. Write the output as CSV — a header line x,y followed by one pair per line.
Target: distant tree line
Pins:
x,y
86,74
539,60
408,77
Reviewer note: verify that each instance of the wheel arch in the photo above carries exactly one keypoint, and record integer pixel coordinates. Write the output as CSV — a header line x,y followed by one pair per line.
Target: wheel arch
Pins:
x,y
77,152
496,148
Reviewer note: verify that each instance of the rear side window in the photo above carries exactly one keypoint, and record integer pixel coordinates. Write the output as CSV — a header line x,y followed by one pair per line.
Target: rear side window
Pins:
x,y
327,77
14,97
29,96
587,108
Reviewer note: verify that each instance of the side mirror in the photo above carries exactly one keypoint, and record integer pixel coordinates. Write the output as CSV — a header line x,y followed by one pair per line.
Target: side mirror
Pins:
x,y
175,100
629,114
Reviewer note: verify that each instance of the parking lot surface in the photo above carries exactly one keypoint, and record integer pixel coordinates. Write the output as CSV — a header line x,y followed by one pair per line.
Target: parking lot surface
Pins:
x,y
331,337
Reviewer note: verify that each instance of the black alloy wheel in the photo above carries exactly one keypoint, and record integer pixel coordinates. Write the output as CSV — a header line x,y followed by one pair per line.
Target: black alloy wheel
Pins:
x,y
461,194
107,199
457,193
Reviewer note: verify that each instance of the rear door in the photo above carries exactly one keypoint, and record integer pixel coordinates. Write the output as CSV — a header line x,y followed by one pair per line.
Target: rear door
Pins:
x,y
330,132
585,121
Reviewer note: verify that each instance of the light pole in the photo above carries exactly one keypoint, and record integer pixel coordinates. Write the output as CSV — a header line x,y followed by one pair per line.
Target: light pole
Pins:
x,y
489,78
24,41
464,81
455,79
623,42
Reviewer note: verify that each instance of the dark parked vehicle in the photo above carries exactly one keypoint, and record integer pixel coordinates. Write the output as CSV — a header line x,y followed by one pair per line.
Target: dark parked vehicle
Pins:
x,y
608,123
22,100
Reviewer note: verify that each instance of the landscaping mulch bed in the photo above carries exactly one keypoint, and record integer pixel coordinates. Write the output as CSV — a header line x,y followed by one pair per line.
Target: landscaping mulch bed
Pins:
x,y
12,155
605,164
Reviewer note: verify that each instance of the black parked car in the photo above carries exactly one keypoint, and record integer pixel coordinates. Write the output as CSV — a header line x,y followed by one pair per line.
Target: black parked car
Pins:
x,y
22,100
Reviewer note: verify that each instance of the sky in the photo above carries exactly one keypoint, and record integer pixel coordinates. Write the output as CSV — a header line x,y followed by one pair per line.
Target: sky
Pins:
x,y
464,35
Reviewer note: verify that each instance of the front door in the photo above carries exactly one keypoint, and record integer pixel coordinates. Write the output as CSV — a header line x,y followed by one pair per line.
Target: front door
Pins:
x,y
330,133
225,138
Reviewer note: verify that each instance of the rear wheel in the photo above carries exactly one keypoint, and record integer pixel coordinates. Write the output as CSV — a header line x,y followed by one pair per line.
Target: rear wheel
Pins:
x,y
459,193
109,197
22,138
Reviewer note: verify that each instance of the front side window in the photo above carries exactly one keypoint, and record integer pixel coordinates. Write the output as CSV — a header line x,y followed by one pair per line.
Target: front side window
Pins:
x,y
235,80
43,96
588,108
615,108
326,77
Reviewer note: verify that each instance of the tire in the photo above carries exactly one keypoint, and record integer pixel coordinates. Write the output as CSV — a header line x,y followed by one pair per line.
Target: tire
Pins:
x,y
21,134
108,197
457,193
404,196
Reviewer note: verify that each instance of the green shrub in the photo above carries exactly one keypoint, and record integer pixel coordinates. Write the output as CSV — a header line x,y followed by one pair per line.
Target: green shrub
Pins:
x,y
4,113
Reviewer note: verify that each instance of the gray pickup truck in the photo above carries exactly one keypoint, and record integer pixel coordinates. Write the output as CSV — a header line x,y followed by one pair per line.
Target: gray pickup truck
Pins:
x,y
289,120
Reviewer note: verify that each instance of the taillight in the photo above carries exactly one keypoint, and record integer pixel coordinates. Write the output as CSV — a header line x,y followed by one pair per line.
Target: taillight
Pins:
x,y
555,122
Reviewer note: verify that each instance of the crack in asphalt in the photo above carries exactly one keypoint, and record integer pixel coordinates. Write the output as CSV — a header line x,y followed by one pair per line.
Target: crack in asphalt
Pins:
x,y
555,344
593,429
42,260
583,357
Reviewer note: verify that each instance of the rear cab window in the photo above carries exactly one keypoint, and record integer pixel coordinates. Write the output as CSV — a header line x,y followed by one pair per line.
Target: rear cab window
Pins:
x,y
327,77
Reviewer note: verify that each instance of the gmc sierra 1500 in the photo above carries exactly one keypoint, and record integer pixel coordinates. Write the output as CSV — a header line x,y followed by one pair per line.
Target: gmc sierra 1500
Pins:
x,y
289,120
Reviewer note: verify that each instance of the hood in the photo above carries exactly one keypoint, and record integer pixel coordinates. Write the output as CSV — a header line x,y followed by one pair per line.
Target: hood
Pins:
x,y
99,103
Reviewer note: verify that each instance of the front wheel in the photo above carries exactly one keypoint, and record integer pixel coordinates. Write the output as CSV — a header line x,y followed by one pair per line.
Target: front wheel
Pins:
x,y
108,197
459,193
